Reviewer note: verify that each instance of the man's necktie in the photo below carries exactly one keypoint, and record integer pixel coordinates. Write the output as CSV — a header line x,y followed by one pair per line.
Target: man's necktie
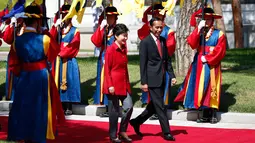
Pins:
x,y
159,47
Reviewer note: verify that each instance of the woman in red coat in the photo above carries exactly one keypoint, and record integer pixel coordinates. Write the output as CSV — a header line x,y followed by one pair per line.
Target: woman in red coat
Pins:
x,y
117,85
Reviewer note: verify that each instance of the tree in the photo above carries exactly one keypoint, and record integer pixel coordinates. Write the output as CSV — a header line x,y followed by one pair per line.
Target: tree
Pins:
x,y
184,54
219,22
238,25
218,10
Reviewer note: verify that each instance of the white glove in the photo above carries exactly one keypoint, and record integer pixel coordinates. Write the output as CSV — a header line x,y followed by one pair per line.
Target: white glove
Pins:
x,y
111,90
103,24
14,21
2,26
58,23
203,59
174,81
201,25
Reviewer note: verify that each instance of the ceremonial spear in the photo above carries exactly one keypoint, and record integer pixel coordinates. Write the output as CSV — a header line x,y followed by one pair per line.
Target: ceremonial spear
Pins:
x,y
202,34
152,1
204,3
59,31
59,37
45,22
105,37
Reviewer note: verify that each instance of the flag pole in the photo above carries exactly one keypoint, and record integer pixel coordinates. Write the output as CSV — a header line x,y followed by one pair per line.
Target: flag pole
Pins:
x,y
204,3
59,37
45,22
59,28
152,2
105,37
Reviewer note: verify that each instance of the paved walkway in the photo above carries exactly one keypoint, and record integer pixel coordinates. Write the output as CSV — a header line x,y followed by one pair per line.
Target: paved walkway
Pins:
x,y
156,122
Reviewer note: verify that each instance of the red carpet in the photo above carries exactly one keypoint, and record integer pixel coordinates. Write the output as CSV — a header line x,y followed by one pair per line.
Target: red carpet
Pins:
x,y
97,132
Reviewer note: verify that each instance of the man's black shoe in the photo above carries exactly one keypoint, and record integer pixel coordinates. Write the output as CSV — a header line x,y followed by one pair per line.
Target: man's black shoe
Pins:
x,y
169,137
136,127
154,117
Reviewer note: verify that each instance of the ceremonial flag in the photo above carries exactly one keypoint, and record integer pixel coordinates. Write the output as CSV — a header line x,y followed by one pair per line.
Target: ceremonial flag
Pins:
x,y
28,2
81,12
7,3
99,3
18,8
126,7
139,5
3,4
77,8
39,2
3,12
182,2
169,7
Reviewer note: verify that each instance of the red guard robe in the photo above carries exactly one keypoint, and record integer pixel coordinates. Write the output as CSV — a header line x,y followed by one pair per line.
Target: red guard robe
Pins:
x,y
202,84
12,61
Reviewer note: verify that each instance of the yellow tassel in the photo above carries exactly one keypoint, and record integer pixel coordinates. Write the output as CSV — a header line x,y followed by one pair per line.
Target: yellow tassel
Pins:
x,y
213,83
57,71
64,71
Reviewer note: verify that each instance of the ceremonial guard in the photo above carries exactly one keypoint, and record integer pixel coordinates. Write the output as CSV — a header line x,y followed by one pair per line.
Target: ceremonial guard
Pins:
x,y
16,23
67,74
201,88
99,40
36,106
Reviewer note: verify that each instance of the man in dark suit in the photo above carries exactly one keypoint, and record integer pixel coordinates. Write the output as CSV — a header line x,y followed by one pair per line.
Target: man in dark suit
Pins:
x,y
154,62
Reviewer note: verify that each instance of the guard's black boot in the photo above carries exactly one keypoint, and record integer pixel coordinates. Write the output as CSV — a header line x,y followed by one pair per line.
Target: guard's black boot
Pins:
x,y
205,116
214,119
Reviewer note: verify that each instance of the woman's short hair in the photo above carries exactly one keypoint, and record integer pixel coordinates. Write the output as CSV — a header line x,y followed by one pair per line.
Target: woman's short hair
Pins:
x,y
119,29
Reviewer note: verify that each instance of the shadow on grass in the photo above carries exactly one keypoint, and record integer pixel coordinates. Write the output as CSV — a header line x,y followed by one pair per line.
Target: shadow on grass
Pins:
x,y
88,59
87,91
133,60
227,99
239,60
2,91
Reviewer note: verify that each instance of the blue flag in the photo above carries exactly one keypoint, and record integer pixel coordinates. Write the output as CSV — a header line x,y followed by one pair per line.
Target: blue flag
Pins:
x,y
18,8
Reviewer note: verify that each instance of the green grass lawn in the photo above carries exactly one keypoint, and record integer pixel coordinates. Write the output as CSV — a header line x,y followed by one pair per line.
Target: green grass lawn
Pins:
x,y
238,92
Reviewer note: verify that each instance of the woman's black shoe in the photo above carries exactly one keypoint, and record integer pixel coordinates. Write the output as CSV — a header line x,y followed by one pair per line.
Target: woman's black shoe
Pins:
x,y
123,137
116,140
